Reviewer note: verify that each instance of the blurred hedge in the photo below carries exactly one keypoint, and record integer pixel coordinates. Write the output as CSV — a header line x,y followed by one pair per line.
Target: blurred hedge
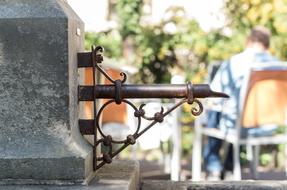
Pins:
x,y
177,45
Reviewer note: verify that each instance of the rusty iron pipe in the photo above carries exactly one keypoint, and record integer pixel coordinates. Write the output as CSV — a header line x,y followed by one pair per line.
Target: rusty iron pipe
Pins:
x,y
149,91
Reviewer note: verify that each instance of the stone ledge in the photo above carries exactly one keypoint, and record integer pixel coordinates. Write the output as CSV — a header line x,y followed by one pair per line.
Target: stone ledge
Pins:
x,y
120,175
205,185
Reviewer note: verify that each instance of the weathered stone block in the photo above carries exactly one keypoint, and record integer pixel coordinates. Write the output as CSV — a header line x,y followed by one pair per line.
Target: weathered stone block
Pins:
x,y
39,136
120,175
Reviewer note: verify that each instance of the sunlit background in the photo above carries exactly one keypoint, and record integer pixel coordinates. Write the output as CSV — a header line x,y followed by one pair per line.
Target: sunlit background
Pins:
x,y
99,19
160,41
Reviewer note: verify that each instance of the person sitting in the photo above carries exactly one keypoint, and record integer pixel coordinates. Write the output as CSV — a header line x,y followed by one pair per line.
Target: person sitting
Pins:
x,y
228,79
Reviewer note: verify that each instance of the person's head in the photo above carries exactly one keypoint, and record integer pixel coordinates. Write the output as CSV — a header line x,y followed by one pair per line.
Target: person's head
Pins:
x,y
259,38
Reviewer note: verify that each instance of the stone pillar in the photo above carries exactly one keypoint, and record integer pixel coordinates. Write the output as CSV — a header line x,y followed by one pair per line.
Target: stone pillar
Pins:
x,y
39,137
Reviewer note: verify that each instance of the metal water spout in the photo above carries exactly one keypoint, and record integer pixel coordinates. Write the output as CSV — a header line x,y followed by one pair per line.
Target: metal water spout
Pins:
x,y
118,92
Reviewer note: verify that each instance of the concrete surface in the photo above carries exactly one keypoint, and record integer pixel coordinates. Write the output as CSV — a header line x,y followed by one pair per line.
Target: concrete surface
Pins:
x,y
205,185
120,175
40,142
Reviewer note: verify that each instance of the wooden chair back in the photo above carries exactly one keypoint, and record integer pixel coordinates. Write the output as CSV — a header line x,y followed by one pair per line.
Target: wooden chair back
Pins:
x,y
266,98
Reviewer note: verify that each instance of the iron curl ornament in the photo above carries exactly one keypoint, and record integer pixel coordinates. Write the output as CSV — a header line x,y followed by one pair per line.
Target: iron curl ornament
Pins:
x,y
118,92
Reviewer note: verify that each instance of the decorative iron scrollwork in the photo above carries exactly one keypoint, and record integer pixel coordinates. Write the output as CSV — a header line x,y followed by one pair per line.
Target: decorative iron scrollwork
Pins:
x,y
118,93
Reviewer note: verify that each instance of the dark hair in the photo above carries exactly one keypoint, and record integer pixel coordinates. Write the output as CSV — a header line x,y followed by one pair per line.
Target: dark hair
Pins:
x,y
261,35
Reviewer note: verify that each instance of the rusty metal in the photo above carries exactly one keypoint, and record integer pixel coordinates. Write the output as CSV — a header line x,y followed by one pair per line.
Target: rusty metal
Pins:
x,y
96,58
118,93
147,91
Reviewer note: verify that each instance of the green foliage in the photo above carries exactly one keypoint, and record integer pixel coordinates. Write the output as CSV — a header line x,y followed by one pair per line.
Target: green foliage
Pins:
x,y
178,45
187,141
265,158
184,47
129,14
156,54
111,41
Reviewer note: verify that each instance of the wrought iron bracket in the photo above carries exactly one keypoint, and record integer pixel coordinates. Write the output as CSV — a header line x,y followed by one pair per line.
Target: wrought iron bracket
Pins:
x,y
118,92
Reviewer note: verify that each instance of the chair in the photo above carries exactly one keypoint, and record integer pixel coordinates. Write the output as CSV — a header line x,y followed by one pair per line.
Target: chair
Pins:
x,y
265,102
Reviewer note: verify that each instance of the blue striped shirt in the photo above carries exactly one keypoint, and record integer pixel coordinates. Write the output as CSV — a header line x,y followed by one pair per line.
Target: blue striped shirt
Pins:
x,y
229,78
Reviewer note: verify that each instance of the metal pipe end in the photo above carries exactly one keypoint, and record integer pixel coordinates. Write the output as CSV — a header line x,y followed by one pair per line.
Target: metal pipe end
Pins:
x,y
219,94
204,91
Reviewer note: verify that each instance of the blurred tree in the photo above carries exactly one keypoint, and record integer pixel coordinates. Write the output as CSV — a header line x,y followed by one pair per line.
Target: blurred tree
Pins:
x,y
110,40
155,55
129,14
177,44
156,48
245,14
